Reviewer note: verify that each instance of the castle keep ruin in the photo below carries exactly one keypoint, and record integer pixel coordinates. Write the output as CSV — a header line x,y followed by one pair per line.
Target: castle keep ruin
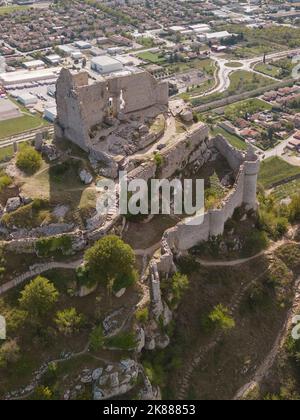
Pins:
x,y
90,111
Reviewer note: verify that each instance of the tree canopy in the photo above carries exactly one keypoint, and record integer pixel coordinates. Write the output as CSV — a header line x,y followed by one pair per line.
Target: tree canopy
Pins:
x,y
109,260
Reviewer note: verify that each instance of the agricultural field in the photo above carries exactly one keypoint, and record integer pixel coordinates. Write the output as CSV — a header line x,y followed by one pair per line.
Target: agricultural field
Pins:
x,y
19,125
275,170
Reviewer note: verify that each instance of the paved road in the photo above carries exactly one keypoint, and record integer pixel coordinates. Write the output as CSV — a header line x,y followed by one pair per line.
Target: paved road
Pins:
x,y
222,76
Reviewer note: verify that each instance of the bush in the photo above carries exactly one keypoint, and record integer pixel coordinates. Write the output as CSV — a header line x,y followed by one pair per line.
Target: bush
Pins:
x,y
31,215
9,353
255,242
43,393
49,246
68,321
97,339
125,281
5,181
221,319
159,160
123,341
38,298
142,315
179,284
28,160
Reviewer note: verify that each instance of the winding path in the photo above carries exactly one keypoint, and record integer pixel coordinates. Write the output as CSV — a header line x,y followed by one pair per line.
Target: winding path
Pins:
x,y
273,247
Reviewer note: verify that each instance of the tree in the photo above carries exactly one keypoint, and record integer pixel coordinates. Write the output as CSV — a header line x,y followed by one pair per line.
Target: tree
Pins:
x,y
109,259
38,298
68,321
9,353
28,160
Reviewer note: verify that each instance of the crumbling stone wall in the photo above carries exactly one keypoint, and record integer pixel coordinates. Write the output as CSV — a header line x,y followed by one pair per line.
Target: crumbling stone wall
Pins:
x,y
184,236
188,148
137,92
82,104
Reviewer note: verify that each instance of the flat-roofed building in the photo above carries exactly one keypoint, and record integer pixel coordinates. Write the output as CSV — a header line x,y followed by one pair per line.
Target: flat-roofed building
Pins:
x,y
105,65
34,64
27,99
53,59
26,76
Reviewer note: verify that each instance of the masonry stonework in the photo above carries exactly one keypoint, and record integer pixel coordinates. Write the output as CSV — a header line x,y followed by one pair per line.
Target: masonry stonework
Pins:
x,y
85,105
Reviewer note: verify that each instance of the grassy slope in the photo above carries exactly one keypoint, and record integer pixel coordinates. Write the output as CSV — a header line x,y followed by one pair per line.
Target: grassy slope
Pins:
x,y
275,170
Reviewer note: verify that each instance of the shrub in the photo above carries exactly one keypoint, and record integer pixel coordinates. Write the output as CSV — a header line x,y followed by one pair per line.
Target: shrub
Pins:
x,y
28,216
220,318
9,353
179,283
38,298
5,181
255,242
123,341
125,281
68,321
142,315
43,393
49,246
159,160
97,339
28,160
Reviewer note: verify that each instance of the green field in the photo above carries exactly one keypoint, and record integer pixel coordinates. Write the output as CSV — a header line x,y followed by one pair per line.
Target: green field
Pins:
x,y
244,81
235,141
19,125
4,10
268,69
233,64
6,153
275,170
153,58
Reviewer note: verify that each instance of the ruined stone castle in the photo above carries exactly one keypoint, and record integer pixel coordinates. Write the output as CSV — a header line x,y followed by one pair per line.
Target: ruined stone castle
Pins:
x,y
90,112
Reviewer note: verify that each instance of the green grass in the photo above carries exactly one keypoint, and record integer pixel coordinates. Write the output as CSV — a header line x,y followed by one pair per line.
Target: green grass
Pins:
x,y
275,170
234,64
206,65
268,69
235,141
6,153
19,125
5,10
244,81
151,57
